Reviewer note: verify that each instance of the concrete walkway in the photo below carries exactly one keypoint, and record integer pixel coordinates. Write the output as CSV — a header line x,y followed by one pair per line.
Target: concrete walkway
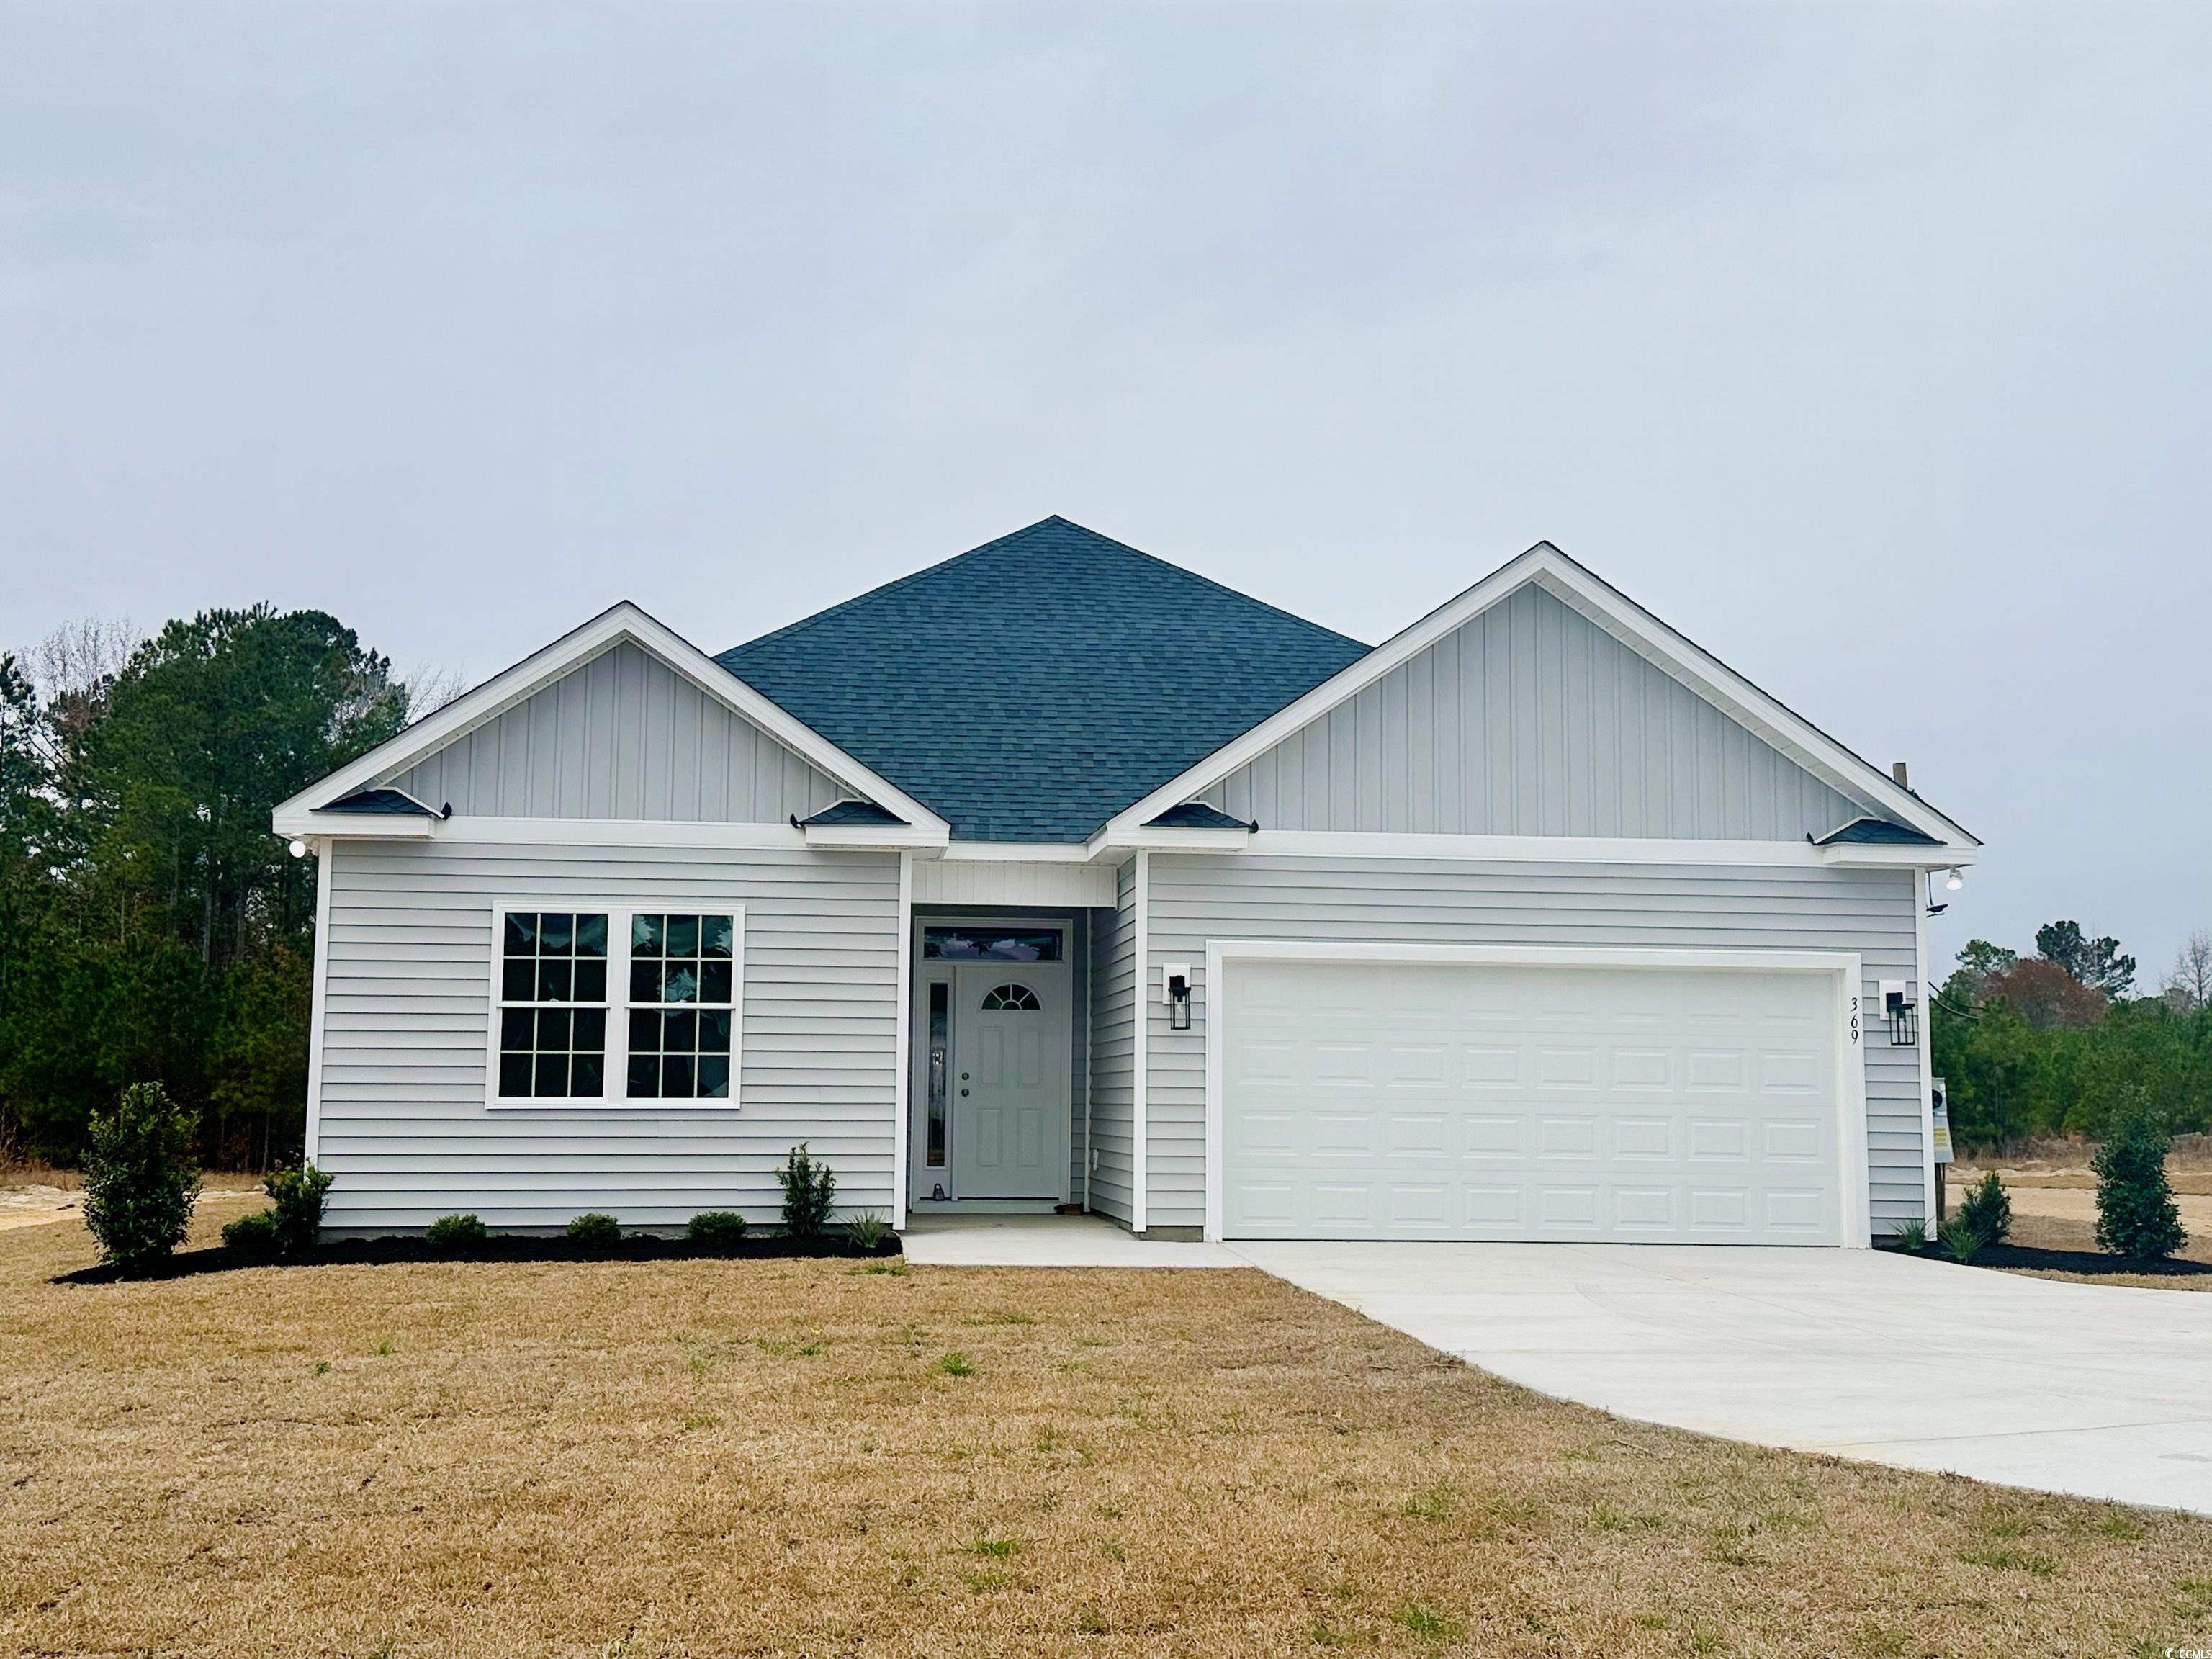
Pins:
x,y
2096,1390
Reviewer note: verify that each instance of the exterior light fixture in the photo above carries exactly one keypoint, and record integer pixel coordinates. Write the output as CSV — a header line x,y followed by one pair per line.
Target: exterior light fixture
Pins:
x,y
1902,1012
1177,977
297,848
1954,882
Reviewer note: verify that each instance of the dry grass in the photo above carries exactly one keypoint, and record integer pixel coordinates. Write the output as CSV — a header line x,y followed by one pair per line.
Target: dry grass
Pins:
x,y
805,1457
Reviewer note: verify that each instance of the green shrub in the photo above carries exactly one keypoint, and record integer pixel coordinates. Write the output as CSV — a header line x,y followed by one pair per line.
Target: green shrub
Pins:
x,y
715,1229
1988,1210
810,1187
1964,1242
868,1229
595,1230
1913,1238
2135,1212
254,1235
299,1206
140,1180
456,1233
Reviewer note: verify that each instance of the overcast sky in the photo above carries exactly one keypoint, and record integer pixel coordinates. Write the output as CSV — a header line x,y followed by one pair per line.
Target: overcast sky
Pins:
x,y
1866,345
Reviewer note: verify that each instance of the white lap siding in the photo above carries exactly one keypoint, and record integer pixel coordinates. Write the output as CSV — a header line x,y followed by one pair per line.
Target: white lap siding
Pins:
x,y
404,1126
1195,900
1113,1050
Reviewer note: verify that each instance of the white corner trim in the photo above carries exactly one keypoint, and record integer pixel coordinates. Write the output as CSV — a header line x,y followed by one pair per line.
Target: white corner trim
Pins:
x,y
1141,1172
903,1044
618,623
1618,615
1929,1174
319,1003
1841,967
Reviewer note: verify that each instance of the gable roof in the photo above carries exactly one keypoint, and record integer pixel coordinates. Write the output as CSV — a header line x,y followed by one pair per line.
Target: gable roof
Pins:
x,y
1874,832
1610,609
318,809
1030,688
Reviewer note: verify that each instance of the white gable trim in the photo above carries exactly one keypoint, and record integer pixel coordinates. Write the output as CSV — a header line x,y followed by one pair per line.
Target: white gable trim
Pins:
x,y
503,691
1622,617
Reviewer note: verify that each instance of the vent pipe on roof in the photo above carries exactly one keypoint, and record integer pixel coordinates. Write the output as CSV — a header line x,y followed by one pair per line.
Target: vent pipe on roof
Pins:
x,y
1896,771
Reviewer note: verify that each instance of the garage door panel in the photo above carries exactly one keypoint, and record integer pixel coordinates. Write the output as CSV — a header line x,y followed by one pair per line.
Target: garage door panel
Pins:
x,y
1482,1102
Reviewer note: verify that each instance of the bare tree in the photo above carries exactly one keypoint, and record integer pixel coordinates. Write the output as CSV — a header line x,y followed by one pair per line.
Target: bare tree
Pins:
x,y
430,688
72,668
2188,983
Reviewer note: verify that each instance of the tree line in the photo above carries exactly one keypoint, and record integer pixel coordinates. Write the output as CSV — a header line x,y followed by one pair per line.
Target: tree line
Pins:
x,y
152,928
2060,1044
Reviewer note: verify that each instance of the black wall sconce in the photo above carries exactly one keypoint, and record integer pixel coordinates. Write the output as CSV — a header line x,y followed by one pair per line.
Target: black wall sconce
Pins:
x,y
1902,1012
1177,984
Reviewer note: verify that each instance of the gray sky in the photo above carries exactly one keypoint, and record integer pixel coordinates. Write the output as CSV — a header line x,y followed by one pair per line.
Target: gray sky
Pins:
x,y
1867,345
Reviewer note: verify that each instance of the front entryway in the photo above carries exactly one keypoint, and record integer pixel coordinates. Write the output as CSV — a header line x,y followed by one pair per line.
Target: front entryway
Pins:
x,y
992,1024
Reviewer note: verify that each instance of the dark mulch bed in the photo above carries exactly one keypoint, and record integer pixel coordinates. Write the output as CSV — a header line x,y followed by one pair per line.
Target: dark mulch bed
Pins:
x,y
2070,1262
377,1252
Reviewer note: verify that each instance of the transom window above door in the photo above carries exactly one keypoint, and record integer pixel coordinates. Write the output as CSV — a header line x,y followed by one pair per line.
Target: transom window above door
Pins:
x,y
991,944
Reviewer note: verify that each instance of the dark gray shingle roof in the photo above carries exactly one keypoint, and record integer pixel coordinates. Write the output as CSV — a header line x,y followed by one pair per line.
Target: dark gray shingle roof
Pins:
x,y
1876,832
1197,815
1030,688
848,812
392,802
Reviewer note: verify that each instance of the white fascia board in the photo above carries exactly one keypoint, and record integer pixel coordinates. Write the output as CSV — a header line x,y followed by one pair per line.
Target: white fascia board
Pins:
x,y
886,838
288,820
1618,615
1017,851
624,621
1177,841
1587,849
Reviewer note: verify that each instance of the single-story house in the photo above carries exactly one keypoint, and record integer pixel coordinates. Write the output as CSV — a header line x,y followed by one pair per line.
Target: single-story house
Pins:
x,y
1056,876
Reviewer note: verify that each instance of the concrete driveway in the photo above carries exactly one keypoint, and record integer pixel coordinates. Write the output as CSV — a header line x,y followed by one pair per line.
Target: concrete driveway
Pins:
x,y
2094,1390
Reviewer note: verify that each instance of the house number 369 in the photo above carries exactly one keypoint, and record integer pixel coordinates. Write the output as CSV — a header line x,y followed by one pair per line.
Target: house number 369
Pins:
x,y
1855,1019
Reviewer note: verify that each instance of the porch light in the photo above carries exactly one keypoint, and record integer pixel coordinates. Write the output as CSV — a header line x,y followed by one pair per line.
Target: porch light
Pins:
x,y
1178,979
298,849
1954,881
1904,1016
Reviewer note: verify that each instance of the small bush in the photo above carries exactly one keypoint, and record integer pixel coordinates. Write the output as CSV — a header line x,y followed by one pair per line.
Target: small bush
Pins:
x,y
2135,1212
254,1235
1988,1210
868,1229
1913,1238
140,1180
1963,1242
456,1233
715,1229
298,1206
810,1187
595,1230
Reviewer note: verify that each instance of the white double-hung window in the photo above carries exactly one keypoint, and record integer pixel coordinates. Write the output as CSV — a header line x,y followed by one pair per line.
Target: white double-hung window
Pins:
x,y
607,1004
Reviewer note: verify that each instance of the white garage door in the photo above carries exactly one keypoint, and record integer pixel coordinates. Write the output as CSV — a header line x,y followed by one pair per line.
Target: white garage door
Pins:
x,y
1402,1100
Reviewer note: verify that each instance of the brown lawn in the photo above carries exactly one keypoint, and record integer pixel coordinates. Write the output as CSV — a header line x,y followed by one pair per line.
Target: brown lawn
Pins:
x,y
707,1458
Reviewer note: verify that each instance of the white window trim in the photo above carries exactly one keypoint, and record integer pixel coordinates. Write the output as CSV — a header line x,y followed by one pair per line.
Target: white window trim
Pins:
x,y
616,1070
1841,967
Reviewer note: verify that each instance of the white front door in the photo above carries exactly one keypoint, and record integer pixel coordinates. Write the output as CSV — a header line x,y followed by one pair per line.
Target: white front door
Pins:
x,y
1423,1100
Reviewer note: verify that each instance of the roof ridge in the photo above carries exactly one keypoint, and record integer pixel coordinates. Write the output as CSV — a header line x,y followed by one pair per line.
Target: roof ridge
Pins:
x,y
791,629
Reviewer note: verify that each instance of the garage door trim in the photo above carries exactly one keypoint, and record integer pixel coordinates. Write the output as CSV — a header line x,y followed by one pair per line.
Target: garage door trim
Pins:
x,y
1841,967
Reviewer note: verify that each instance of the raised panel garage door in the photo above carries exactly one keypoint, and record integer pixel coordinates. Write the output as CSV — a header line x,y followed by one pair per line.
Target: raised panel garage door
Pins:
x,y
1454,1101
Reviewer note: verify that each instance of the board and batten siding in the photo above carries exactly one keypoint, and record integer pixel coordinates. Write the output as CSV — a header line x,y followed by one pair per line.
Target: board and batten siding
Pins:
x,y
622,736
1438,902
1530,720
1113,1050
404,1128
